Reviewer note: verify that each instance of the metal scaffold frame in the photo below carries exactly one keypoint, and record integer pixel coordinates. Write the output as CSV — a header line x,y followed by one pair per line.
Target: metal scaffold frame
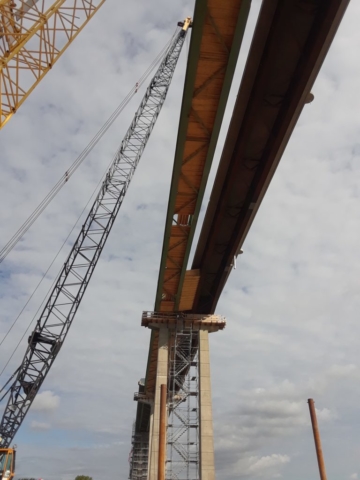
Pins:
x,y
183,450
139,455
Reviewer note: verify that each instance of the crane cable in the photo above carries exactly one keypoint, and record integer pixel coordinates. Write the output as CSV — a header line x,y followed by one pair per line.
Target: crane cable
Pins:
x,y
42,278
56,189
71,170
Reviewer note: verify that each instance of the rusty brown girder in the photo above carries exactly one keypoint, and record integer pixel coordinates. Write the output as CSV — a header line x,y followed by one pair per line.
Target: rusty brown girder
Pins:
x,y
289,45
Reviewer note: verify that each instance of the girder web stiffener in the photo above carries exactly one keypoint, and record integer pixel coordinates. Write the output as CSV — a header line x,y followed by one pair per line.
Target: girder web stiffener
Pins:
x,y
56,318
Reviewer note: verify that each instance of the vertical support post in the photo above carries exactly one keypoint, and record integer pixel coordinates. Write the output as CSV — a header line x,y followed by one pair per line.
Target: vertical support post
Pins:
x,y
315,427
162,432
151,426
161,379
207,462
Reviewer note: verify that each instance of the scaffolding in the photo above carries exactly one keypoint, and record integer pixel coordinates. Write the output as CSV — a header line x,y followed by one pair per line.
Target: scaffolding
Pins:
x,y
183,405
180,353
139,455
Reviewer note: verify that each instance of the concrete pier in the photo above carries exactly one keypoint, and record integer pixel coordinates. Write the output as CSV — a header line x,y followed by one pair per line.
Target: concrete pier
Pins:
x,y
161,378
171,330
207,461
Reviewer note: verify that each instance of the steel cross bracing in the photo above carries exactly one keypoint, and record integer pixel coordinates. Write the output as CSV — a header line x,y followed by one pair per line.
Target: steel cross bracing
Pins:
x,y
33,35
59,311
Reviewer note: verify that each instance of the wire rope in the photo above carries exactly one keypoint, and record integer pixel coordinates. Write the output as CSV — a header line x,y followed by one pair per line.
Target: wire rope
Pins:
x,y
44,275
79,160
15,239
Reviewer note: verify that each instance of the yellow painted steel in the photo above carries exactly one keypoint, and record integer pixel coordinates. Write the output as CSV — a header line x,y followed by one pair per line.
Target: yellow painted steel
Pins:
x,y
33,36
7,463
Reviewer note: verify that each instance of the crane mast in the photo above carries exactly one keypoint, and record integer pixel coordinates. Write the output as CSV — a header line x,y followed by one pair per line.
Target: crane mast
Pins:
x,y
55,320
33,35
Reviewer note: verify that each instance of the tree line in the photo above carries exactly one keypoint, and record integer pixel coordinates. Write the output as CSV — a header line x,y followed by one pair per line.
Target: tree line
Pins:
x,y
79,477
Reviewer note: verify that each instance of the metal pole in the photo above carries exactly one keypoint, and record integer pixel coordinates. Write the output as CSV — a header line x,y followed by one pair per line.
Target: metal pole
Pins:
x,y
319,452
162,433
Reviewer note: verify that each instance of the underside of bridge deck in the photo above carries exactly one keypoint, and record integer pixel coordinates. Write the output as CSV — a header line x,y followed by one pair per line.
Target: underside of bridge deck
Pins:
x,y
218,30
289,45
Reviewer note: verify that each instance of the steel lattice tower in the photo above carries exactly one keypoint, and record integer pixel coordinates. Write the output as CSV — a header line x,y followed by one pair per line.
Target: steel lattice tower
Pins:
x,y
56,318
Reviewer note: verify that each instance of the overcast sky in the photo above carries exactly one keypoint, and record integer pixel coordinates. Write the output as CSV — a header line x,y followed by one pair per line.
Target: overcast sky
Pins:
x,y
292,305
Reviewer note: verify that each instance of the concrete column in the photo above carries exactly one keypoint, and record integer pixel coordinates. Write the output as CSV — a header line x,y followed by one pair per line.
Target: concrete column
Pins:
x,y
161,378
162,433
207,462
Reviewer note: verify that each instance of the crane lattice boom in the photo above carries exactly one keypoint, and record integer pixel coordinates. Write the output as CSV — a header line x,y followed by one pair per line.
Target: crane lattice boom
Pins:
x,y
33,35
64,300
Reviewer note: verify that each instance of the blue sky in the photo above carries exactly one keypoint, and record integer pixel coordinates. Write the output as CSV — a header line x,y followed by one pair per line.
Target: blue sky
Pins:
x,y
292,304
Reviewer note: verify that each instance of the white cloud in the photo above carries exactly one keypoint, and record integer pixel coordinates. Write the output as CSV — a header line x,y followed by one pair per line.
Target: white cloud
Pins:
x,y
262,465
34,425
255,466
345,371
326,415
292,304
263,417
354,476
46,401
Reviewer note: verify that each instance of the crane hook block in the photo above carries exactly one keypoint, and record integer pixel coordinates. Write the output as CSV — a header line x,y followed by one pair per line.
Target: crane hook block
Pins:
x,y
185,25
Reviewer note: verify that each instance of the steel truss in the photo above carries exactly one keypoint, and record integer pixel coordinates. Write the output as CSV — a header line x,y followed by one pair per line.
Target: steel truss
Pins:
x,y
183,405
33,36
64,300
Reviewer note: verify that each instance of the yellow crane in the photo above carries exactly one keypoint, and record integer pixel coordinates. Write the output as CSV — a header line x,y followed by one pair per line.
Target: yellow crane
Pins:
x,y
33,35
7,463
